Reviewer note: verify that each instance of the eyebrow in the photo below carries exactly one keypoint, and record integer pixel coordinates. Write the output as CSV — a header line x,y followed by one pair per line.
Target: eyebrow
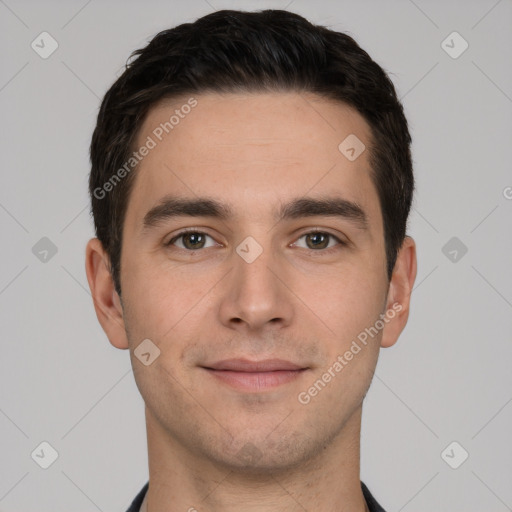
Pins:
x,y
170,207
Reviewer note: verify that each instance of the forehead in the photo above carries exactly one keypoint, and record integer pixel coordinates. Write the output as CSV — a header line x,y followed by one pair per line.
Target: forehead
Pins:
x,y
251,150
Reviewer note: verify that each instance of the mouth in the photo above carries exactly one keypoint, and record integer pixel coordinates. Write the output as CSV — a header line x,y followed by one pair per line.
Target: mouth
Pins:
x,y
255,376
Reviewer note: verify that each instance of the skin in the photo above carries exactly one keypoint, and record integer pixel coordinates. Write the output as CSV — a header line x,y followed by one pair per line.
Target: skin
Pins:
x,y
211,447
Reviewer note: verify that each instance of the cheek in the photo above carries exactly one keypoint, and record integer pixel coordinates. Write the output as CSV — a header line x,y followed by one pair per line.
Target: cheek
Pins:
x,y
350,310
148,301
163,300
342,301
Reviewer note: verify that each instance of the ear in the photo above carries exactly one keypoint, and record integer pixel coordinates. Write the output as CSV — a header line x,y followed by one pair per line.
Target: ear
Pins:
x,y
106,300
399,292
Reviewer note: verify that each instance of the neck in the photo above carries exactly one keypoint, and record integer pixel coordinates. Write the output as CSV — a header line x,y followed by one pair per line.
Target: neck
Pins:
x,y
183,481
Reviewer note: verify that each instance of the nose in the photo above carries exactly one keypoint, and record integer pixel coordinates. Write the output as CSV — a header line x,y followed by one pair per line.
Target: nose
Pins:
x,y
256,297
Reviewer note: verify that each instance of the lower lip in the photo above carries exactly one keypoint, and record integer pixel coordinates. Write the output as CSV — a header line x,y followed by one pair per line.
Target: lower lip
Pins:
x,y
256,381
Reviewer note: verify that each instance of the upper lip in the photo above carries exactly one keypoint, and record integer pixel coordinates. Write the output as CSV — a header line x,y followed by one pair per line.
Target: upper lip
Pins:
x,y
246,365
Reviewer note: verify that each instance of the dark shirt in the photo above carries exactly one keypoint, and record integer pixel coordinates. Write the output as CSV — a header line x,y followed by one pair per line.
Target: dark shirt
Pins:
x,y
372,503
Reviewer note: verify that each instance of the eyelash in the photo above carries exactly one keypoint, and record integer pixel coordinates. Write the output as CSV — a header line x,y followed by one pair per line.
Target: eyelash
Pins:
x,y
188,231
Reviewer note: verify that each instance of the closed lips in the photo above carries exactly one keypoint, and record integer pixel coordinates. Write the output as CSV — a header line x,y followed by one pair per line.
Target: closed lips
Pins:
x,y
244,365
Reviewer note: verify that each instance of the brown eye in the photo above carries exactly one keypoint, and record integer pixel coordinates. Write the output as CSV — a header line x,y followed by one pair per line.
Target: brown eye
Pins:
x,y
190,240
193,240
319,240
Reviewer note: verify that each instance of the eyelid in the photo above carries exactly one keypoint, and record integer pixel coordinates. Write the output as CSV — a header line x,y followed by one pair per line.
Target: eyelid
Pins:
x,y
341,241
186,231
325,231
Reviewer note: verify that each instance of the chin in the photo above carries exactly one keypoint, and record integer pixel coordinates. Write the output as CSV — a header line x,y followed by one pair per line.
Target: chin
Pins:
x,y
264,456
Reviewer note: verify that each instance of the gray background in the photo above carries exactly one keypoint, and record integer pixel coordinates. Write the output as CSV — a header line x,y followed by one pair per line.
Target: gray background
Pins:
x,y
449,377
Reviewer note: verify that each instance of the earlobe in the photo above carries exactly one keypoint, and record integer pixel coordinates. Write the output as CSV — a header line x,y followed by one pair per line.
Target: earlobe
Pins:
x,y
106,300
399,294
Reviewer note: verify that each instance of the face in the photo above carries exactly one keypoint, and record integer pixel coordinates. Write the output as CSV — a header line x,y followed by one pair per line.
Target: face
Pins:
x,y
253,257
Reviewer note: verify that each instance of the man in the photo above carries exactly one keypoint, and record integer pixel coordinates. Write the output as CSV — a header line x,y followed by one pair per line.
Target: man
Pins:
x,y
251,182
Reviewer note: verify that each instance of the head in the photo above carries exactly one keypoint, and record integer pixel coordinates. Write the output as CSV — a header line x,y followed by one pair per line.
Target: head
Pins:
x,y
235,125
